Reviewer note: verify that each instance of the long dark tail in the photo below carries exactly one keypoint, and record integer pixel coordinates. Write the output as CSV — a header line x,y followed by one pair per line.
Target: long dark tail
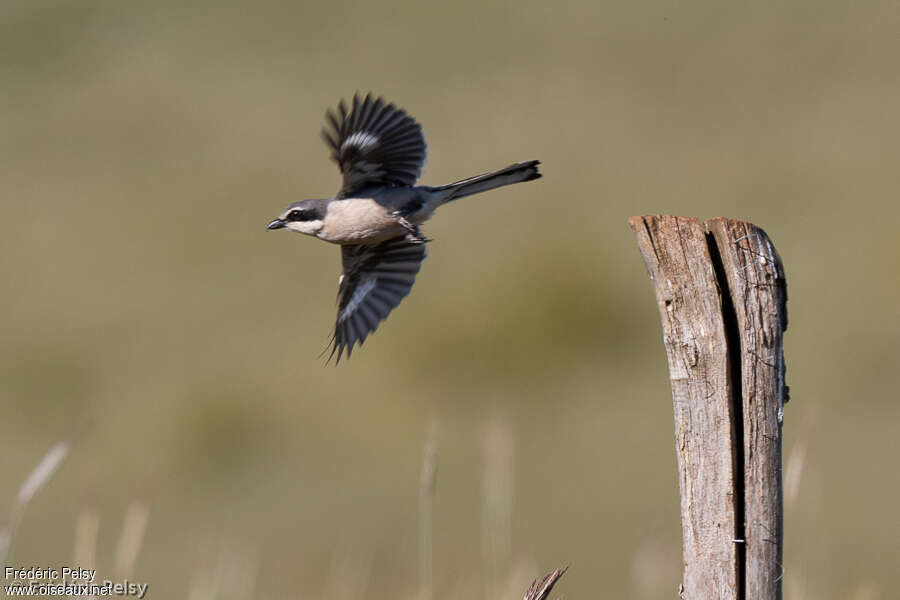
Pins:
x,y
523,171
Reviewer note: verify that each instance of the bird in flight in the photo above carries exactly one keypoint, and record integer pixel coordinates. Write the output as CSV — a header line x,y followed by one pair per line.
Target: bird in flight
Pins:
x,y
377,213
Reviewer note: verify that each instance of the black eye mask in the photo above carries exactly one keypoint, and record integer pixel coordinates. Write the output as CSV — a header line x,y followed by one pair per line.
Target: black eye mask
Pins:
x,y
301,215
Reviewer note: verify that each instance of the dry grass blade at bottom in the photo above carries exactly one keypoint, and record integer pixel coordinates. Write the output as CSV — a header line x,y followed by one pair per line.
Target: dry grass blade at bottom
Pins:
x,y
134,527
427,486
36,480
540,590
497,503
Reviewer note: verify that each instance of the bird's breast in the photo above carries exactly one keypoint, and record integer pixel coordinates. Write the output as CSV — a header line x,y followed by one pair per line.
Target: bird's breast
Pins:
x,y
358,221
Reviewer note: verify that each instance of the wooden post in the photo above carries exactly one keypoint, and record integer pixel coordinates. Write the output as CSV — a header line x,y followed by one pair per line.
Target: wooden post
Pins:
x,y
721,293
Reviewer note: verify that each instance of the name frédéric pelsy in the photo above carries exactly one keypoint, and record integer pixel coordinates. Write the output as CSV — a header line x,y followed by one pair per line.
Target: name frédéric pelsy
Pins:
x,y
50,574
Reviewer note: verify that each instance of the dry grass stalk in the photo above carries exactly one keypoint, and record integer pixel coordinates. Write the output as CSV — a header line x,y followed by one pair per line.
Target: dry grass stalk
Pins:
x,y
793,472
654,566
202,586
541,590
87,532
42,473
236,570
796,460
497,504
866,591
231,576
35,481
427,486
134,527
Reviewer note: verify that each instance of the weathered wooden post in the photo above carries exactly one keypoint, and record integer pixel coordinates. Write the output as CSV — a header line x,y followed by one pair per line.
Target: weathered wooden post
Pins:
x,y
721,292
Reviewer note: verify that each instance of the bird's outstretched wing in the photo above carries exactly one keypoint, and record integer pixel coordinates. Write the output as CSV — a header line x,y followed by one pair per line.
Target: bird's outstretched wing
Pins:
x,y
374,143
375,279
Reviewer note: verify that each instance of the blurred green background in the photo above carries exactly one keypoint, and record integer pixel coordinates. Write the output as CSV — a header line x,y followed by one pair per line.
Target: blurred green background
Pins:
x,y
145,146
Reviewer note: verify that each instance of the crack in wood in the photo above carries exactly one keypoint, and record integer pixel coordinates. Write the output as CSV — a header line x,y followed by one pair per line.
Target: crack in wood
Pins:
x,y
733,335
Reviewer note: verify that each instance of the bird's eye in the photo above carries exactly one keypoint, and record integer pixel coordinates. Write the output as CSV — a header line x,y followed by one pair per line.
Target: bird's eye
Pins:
x,y
295,215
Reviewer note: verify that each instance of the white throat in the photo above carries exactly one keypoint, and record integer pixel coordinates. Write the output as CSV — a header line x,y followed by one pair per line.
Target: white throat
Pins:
x,y
307,227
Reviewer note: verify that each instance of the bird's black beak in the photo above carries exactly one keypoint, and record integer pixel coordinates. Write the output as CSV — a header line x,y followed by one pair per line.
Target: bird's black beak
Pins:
x,y
276,224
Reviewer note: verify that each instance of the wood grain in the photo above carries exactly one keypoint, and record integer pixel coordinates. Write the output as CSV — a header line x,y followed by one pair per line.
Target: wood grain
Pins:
x,y
687,294
758,291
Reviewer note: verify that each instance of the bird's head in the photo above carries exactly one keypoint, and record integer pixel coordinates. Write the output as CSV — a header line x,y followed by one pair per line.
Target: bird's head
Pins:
x,y
305,216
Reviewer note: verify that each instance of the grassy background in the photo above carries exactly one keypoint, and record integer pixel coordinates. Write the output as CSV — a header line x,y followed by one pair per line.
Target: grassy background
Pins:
x,y
145,146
